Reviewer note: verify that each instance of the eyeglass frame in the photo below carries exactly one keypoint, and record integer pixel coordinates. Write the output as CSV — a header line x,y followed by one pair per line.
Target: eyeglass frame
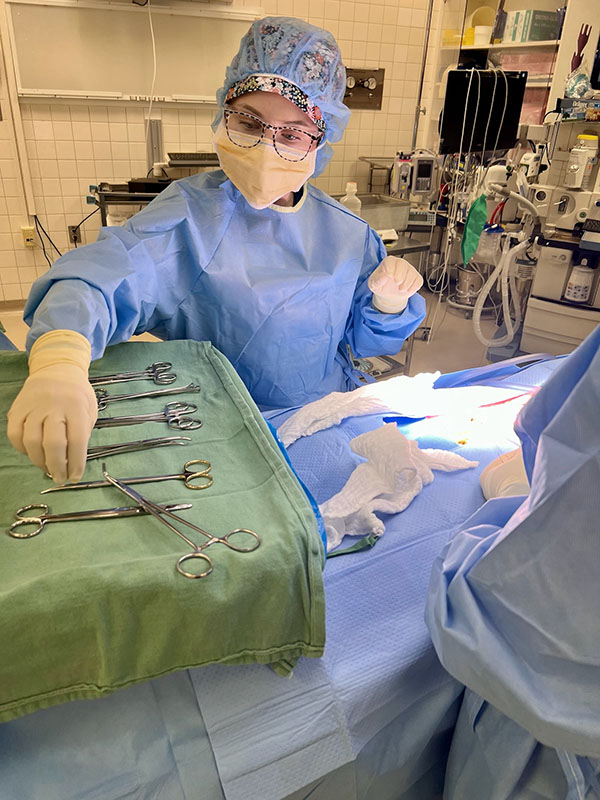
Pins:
x,y
318,139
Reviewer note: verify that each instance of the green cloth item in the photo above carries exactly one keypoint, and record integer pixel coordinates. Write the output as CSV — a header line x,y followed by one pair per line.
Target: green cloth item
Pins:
x,y
90,607
476,219
366,543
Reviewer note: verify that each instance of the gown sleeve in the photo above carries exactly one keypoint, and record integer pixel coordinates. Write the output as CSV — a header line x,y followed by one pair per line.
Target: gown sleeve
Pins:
x,y
370,332
129,281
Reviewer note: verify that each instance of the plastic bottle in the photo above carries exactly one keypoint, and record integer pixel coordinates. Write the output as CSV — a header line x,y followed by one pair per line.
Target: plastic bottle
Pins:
x,y
580,283
350,199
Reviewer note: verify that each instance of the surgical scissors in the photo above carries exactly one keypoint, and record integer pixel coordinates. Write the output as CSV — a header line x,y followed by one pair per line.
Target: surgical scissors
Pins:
x,y
72,516
174,414
104,398
100,451
157,372
158,512
188,476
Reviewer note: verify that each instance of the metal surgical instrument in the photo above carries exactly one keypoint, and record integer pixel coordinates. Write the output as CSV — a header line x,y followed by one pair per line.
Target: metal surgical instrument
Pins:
x,y
160,514
188,476
104,398
72,516
175,415
100,451
157,372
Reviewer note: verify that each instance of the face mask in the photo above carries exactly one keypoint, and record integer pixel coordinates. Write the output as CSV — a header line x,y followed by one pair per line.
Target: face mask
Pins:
x,y
260,174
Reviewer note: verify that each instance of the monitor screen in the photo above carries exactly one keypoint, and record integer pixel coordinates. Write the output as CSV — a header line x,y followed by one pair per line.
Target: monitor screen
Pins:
x,y
484,101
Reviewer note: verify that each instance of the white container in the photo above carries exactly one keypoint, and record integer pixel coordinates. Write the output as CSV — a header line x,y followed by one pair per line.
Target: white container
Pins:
x,y
484,15
382,211
551,272
555,328
350,199
581,161
483,34
580,284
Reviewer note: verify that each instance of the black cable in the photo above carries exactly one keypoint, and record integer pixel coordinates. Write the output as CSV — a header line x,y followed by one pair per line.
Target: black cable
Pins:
x,y
37,222
554,111
76,227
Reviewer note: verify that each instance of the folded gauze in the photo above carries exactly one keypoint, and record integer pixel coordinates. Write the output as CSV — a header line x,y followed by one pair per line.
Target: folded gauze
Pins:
x,y
393,474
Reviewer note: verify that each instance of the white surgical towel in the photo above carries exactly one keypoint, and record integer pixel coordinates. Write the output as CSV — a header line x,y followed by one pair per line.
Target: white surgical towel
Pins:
x,y
393,474
410,397
370,399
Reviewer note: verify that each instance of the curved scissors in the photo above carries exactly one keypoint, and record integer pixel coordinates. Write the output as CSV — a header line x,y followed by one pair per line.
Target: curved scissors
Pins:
x,y
158,512
45,517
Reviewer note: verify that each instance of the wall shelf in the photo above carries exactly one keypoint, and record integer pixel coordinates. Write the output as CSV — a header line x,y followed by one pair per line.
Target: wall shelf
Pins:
x,y
503,45
545,43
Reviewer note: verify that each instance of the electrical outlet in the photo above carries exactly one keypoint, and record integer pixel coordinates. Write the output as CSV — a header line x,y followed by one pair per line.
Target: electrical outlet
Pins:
x,y
28,233
74,234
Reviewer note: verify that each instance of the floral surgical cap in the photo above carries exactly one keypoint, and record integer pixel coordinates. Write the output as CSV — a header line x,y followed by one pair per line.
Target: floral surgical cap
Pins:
x,y
302,54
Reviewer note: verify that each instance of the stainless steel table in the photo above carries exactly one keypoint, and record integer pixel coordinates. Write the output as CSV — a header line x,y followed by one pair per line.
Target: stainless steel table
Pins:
x,y
405,244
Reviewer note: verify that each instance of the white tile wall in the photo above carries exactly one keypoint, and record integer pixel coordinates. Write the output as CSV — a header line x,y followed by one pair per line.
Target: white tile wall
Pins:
x,y
70,147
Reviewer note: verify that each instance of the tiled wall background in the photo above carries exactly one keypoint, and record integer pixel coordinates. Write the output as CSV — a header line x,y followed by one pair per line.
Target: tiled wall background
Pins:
x,y
72,146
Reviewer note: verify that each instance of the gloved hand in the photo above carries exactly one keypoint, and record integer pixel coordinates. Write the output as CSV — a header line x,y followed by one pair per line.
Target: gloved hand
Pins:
x,y
53,415
392,284
505,476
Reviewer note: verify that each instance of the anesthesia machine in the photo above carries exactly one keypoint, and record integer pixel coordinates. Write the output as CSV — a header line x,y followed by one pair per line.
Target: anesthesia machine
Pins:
x,y
519,211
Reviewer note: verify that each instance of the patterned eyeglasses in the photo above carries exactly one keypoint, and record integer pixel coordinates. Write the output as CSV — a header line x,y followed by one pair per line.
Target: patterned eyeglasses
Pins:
x,y
246,130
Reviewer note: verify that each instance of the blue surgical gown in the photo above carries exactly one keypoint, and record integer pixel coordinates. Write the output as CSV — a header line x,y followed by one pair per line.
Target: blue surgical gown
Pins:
x,y
514,601
280,291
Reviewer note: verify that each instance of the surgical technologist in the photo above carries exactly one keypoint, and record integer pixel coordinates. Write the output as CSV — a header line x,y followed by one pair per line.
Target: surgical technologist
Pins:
x,y
276,274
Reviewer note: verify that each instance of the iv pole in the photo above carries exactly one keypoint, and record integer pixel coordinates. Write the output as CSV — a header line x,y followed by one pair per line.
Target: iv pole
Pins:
x,y
419,110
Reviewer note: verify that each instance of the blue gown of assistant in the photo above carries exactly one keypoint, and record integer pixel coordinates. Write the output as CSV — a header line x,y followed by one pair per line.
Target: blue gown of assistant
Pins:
x,y
281,292
514,608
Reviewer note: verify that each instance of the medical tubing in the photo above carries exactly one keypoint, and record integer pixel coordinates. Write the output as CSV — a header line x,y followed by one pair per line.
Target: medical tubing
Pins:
x,y
515,298
506,302
510,331
522,201
481,298
502,271
527,204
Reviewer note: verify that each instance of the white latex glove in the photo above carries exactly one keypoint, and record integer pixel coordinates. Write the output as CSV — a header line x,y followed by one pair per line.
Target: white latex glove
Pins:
x,y
53,415
505,476
392,284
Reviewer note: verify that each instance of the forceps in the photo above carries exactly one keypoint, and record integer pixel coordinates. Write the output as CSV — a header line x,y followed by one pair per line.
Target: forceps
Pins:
x,y
100,451
104,398
188,476
104,513
158,512
156,372
174,414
